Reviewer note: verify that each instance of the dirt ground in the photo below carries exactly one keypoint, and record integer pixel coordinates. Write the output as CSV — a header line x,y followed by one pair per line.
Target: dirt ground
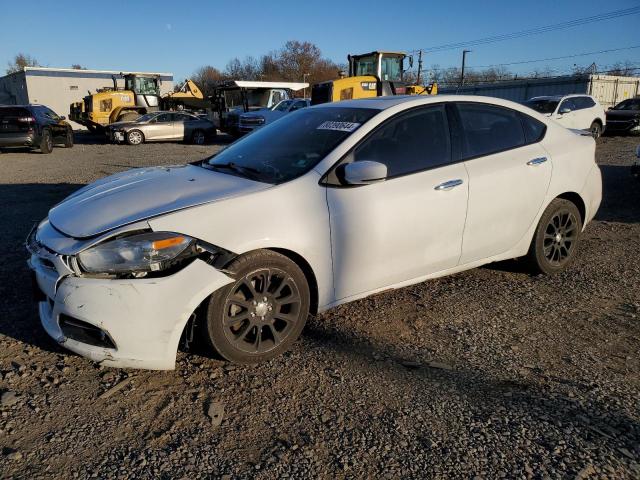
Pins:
x,y
490,373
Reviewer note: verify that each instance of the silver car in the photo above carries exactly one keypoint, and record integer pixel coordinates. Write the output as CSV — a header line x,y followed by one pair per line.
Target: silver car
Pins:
x,y
163,126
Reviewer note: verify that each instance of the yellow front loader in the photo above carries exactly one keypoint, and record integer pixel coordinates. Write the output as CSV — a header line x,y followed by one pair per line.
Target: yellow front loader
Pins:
x,y
140,95
374,74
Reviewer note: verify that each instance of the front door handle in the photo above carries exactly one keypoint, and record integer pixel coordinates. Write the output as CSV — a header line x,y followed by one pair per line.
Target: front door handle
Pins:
x,y
537,161
449,185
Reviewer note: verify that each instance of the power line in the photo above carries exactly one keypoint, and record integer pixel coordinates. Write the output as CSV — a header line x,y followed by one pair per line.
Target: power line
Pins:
x,y
521,62
533,31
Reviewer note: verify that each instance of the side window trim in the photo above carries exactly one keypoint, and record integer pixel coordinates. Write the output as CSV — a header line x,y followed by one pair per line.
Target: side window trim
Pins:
x,y
324,181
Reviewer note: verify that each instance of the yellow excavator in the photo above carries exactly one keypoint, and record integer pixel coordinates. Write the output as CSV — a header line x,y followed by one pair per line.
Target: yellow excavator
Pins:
x,y
140,95
373,74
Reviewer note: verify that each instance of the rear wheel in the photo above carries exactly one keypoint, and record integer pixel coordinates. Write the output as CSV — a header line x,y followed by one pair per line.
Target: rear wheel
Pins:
x,y
46,142
595,129
555,242
198,137
135,137
262,313
68,141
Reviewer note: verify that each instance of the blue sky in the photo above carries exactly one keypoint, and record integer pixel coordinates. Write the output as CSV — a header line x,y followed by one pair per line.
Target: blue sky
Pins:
x,y
178,37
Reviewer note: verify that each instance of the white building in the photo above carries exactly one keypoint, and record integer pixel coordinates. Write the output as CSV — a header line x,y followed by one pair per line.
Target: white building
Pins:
x,y
58,88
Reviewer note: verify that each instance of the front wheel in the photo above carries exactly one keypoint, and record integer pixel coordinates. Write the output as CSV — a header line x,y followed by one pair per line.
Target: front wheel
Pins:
x,y
46,142
595,129
262,313
555,242
68,140
198,137
135,137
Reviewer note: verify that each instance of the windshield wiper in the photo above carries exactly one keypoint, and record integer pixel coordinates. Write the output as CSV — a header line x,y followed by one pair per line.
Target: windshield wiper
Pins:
x,y
252,172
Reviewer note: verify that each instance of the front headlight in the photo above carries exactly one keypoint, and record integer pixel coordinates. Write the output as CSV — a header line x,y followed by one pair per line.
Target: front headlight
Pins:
x,y
147,252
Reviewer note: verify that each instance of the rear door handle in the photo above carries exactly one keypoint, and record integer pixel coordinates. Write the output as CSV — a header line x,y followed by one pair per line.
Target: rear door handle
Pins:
x,y
537,161
449,185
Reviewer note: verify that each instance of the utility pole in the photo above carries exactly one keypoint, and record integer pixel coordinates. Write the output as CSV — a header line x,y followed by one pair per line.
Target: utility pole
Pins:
x,y
304,76
419,67
464,58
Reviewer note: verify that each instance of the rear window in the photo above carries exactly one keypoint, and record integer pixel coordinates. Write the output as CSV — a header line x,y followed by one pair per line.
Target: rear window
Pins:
x,y
489,129
14,112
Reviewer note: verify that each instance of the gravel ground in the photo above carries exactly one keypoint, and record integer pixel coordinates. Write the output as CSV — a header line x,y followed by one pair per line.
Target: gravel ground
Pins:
x,y
489,373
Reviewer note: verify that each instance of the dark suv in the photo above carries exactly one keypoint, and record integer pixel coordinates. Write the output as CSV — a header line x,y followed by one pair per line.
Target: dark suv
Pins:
x,y
34,126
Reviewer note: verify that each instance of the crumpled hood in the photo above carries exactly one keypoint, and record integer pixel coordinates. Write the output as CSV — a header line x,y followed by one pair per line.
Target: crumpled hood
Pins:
x,y
142,193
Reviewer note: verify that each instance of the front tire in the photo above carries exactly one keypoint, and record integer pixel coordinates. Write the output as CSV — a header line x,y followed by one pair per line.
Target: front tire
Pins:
x,y
262,313
596,129
135,137
46,142
555,241
68,141
198,137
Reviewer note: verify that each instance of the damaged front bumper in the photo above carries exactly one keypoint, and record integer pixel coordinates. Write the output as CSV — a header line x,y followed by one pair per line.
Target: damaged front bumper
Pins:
x,y
135,323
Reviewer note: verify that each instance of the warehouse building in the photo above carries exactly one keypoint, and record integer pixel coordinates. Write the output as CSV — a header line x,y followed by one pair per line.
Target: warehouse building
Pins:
x,y
609,90
58,88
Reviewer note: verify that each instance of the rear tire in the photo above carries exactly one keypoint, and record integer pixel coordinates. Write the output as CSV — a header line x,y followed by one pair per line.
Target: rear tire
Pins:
x,y
198,137
262,313
555,241
135,137
68,141
596,129
46,142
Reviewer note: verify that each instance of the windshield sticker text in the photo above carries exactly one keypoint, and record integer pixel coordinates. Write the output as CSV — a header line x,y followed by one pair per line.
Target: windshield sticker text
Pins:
x,y
338,126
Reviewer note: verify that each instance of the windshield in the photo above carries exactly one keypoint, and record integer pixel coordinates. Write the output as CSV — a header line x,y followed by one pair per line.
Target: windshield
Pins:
x,y
290,147
543,105
631,104
142,85
145,118
366,66
391,69
283,106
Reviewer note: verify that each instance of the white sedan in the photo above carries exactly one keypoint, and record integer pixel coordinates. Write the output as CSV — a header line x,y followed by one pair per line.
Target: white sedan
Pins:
x,y
327,205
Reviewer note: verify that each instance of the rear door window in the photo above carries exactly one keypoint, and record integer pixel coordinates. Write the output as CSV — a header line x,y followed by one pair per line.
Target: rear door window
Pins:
x,y
164,118
489,129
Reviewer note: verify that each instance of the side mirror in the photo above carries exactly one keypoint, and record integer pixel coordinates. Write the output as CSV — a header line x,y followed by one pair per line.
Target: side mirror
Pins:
x,y
62,117
564,110
364,172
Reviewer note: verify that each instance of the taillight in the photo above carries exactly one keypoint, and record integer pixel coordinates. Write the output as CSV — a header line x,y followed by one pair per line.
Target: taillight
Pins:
x,y
27,119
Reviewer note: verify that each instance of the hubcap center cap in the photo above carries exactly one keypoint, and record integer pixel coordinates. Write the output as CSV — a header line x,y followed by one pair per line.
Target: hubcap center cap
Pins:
x,y
558,237
262,308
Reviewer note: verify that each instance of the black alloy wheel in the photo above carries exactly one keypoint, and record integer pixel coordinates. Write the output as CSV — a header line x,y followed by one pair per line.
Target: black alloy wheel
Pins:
x,y
260,314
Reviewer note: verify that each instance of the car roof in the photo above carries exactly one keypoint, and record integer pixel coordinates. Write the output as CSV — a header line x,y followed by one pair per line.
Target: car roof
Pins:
x,y
560,97
383,103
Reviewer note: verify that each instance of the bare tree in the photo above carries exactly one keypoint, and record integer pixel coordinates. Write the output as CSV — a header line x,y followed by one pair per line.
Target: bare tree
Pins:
x,y
207,78
77,66
623,69
20,61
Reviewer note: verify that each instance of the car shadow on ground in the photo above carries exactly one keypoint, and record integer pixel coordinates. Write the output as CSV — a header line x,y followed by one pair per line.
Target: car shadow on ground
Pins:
x,y
596,422
23,206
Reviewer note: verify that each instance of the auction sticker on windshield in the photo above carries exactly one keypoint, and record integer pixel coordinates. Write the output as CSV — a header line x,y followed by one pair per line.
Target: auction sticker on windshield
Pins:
x,y
338,126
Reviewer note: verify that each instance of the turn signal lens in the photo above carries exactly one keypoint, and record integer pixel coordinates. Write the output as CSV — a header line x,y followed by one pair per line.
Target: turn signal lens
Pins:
x,y
167,243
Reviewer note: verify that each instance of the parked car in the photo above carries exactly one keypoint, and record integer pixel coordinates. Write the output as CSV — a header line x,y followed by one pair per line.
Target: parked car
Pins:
x,y
163,126
582,112
635,168
254,120
624,117
327,205
33,126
